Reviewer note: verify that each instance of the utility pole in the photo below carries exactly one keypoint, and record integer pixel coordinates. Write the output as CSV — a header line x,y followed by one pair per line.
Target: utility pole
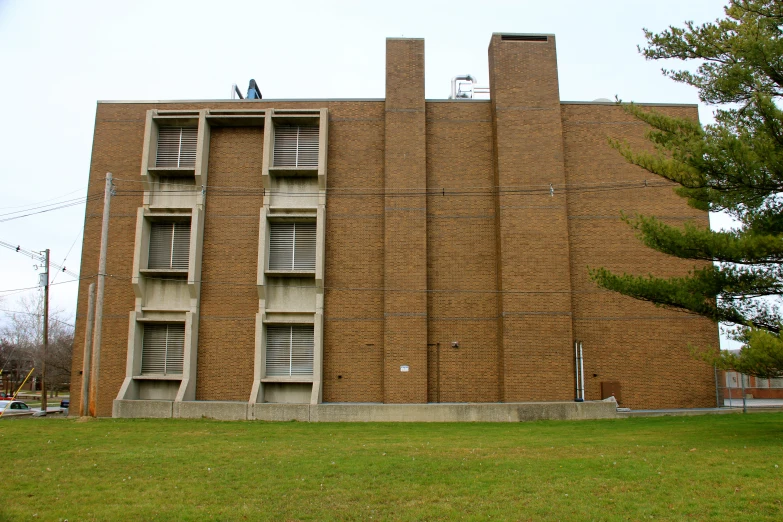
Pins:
x,y
87,363
96,348
45,330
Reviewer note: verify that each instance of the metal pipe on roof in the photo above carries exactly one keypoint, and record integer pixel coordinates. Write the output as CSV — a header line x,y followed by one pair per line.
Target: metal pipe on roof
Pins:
x,y
465,77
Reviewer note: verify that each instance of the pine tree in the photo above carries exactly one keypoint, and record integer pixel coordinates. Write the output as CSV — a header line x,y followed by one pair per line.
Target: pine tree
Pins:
x,y
734,165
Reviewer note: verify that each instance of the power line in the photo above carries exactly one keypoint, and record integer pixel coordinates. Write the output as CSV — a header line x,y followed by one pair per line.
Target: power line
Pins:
x,y
66,257
81,201
14,292
45,200
37,315
540,186
360,289
18,290
51,284
38,257
430,193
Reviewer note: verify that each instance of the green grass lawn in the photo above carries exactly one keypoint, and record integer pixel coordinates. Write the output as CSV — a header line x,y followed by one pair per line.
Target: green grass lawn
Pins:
x,y
715,467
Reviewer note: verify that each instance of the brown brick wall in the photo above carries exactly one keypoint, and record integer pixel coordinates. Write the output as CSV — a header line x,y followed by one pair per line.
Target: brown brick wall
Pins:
x,y
641,346
353,297
462,301
229,299
532,233
405,225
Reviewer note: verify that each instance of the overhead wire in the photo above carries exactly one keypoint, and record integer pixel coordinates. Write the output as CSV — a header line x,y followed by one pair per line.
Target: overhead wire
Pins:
x,y
18,290
37,315
362,289
45,200
543,189
434,189
38,257
80,201
67,201
66,257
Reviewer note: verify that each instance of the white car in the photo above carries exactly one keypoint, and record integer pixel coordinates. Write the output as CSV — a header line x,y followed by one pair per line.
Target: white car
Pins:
x,y
15,408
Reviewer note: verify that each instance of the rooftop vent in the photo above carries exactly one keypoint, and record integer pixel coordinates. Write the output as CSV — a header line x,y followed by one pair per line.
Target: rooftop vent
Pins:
x,y
524,38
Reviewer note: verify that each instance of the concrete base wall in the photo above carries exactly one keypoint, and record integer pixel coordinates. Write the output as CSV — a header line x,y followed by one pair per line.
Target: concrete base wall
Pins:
x,y
218,410
142,409
280,412
505,412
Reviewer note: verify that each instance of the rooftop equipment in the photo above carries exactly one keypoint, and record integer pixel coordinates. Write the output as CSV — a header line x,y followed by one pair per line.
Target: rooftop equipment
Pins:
x,y
253,92
468,81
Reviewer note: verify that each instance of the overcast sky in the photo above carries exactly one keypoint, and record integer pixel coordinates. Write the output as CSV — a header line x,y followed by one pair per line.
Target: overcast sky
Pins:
x,y
58,58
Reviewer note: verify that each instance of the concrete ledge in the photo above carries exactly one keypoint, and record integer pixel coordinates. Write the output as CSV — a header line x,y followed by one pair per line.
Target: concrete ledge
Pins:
x,y
502,412
362,412
128,409
678,412
218,410
280,412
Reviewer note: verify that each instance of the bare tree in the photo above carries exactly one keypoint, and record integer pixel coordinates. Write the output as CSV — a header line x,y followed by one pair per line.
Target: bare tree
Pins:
x,y
21,344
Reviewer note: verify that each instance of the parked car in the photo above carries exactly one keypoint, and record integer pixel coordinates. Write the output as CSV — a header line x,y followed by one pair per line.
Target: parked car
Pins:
x,y
65,404
15,408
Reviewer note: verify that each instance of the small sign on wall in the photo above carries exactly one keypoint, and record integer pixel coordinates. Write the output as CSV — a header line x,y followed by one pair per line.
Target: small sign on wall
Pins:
x,y
404,368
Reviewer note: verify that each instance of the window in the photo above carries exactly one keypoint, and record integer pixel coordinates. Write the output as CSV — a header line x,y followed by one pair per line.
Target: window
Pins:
x,y
292,246
289,350
177,147
169,245
296,146
769,383
733,380
163,349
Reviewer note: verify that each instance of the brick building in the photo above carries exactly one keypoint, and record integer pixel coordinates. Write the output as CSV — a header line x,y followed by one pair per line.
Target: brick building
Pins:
x,y
396,250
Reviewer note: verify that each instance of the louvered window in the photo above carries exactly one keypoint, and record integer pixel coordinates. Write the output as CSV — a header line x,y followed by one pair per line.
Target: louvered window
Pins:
x,y
296,146
292,246
163,349
289,350
176,147
169,245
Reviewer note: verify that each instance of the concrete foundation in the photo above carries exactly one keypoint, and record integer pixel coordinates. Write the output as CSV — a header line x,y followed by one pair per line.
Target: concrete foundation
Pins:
x,y
505,412
218,410
142,409
280,412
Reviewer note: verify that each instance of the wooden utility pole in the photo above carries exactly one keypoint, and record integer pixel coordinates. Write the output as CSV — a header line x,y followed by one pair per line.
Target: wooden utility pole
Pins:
x,y
45,330
96,349
87,364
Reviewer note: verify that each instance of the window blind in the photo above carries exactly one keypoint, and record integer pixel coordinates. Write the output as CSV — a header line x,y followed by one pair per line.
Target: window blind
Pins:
x,y
289,350
169,245
292,246
296,146
163,349
177,147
